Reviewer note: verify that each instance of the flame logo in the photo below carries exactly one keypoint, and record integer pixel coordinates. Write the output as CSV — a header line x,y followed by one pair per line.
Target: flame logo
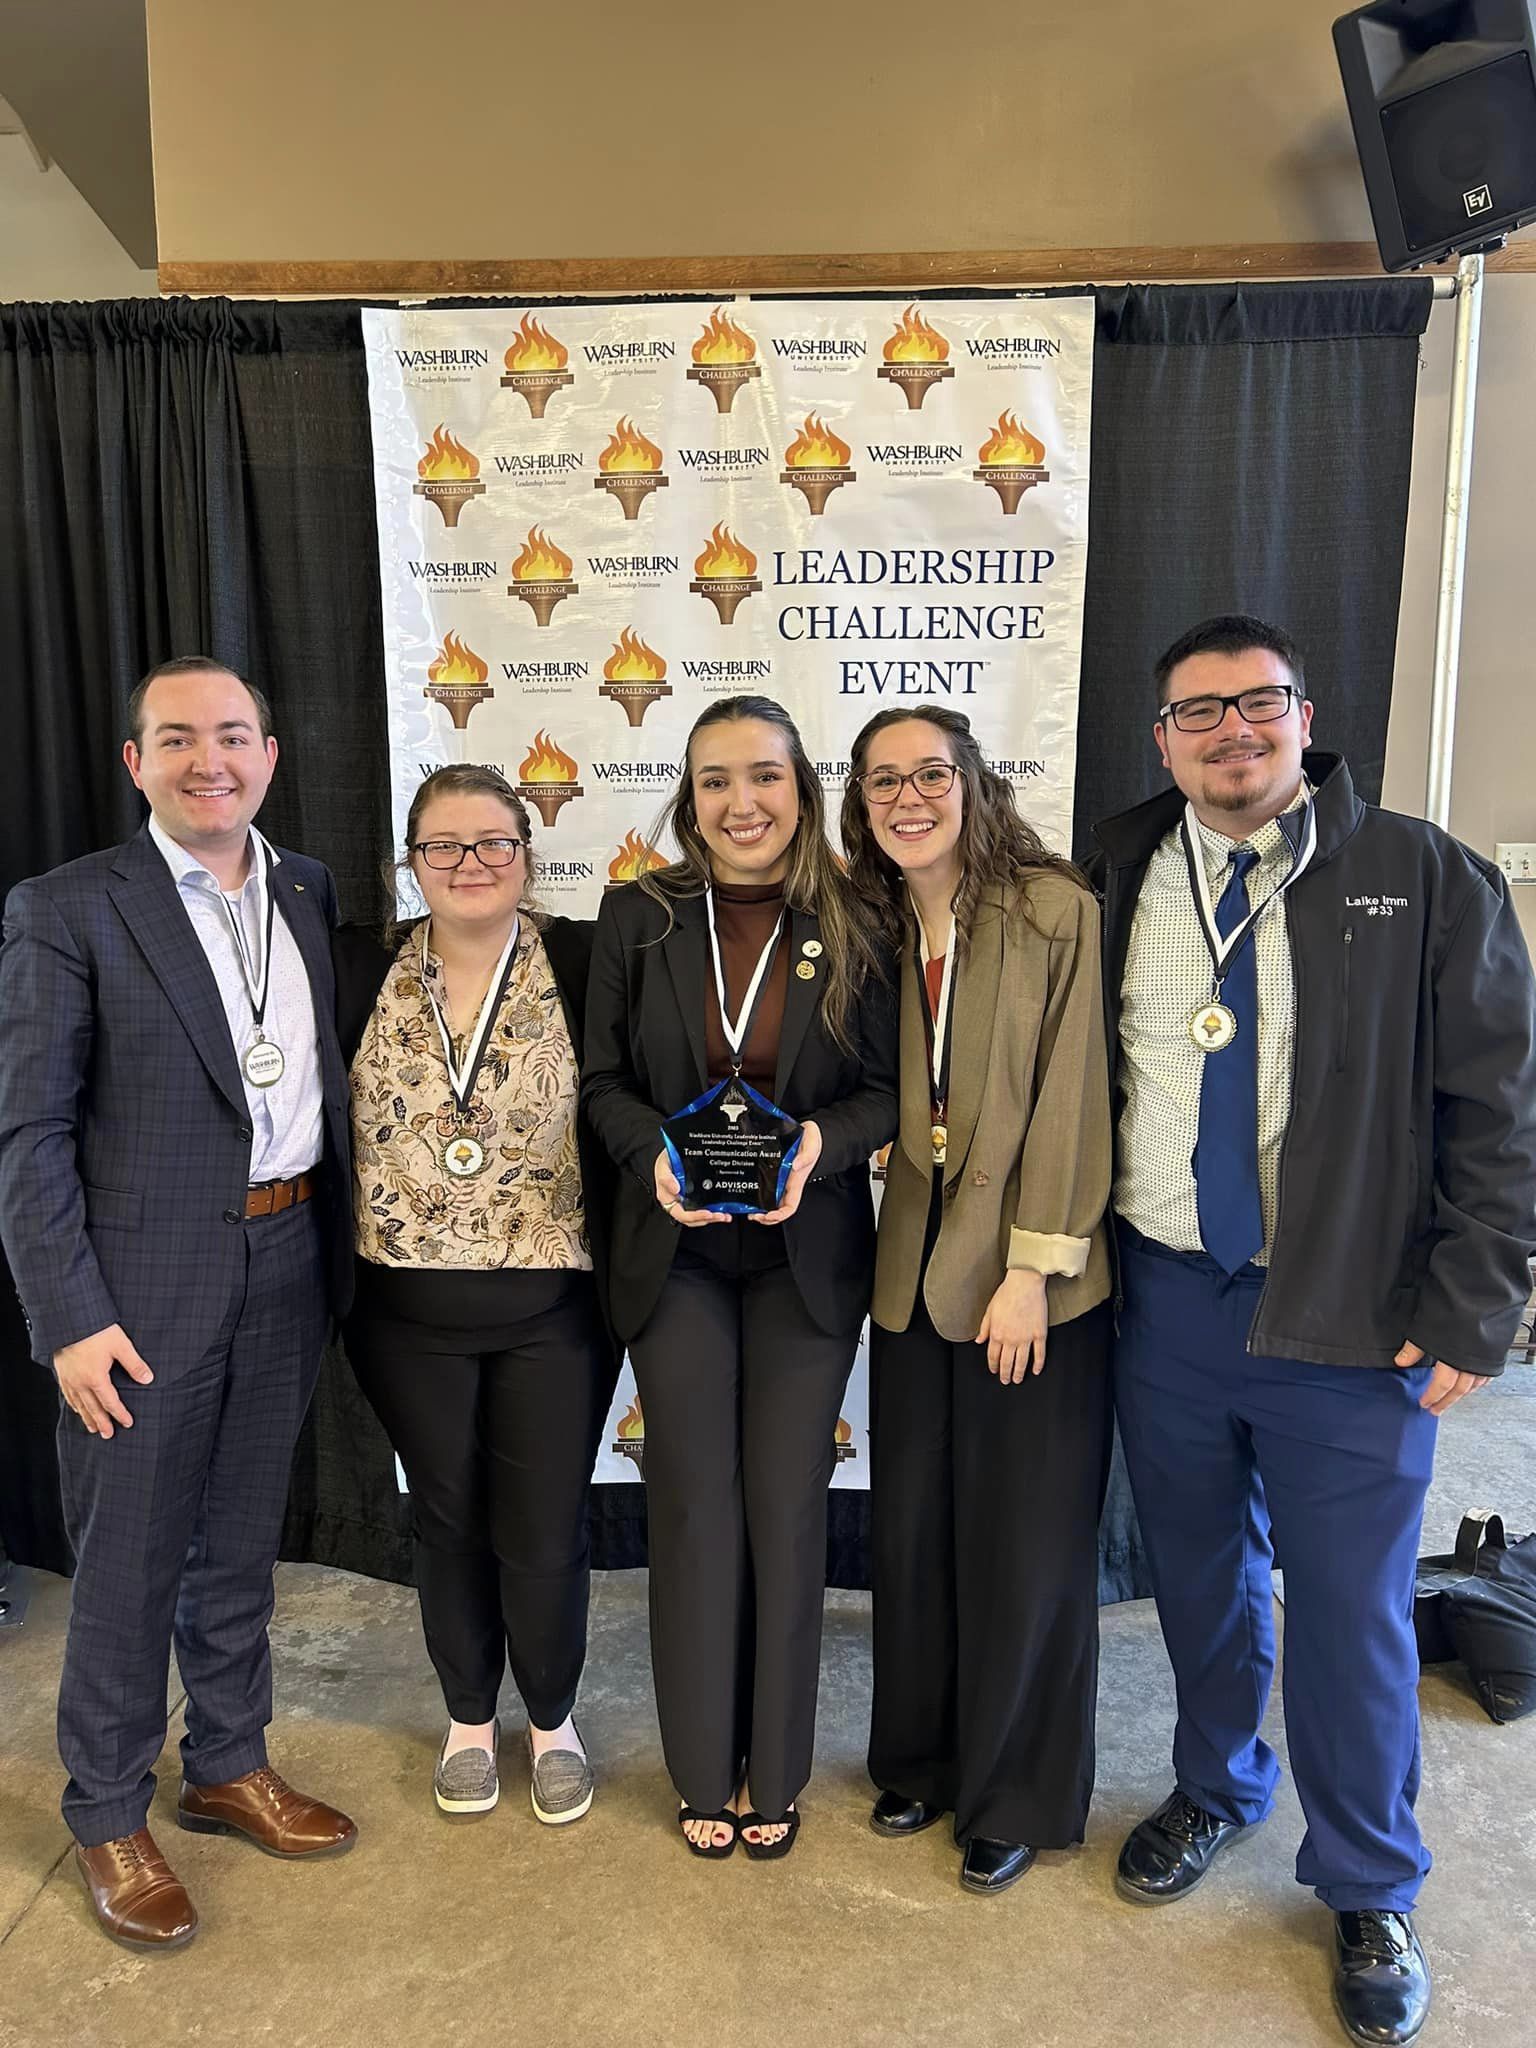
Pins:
x,y
541,561
633,1424
633,662
629,451
457,664
545,762
447,461
914,341
842,1434
722,341
816,447
635,857
535,348
1012,446
725,555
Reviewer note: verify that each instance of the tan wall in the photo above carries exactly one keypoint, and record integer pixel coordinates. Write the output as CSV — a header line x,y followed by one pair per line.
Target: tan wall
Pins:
x,y
52,246
1493,793
313,129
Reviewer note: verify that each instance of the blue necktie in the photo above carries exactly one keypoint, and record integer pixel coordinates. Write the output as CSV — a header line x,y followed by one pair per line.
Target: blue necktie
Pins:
x,y
1226,1161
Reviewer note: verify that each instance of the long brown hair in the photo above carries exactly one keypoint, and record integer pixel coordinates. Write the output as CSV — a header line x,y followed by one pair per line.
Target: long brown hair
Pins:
x,y
458,779
996,847
815,883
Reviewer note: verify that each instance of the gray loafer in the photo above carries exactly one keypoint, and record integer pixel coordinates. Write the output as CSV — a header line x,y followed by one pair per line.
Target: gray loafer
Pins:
x,y
561,1786
465,1784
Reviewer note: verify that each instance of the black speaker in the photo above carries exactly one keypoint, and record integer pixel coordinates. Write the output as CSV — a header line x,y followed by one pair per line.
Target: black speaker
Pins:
x,y
1442,96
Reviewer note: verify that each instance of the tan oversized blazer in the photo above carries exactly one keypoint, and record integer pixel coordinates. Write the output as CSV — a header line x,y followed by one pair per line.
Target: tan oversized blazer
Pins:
x,y
1026,1182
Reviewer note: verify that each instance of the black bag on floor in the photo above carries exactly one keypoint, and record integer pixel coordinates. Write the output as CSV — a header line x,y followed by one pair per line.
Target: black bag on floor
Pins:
x,y
1479,1605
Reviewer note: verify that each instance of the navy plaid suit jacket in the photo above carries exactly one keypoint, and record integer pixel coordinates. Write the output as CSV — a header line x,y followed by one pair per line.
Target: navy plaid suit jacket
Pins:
x,y
125,1145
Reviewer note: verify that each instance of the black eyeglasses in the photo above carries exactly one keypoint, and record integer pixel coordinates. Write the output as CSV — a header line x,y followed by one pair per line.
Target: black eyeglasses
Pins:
x,y
1260,706
884,785
449,853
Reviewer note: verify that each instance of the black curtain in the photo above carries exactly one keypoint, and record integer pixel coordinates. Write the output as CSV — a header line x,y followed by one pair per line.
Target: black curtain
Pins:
x,y
197,475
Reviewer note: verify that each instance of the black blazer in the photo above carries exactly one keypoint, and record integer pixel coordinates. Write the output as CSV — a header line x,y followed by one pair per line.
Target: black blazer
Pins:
x,y
645,1060
362,962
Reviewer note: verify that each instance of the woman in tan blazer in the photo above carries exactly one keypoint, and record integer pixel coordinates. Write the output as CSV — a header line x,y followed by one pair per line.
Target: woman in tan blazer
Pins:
x,y
990,1331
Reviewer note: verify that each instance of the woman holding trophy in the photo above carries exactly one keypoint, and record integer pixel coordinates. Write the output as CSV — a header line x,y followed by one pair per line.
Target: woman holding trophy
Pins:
x,y
740,1068
989,1402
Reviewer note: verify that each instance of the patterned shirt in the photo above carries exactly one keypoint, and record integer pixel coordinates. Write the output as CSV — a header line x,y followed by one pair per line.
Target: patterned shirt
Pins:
x,y
287,1119
524,1208
1167,976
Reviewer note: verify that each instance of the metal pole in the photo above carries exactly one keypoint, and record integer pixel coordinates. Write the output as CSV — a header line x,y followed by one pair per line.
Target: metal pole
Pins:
x,y
1453,541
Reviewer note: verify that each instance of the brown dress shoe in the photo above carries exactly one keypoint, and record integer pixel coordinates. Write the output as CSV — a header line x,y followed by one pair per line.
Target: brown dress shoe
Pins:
x,y
137,1898
269,1813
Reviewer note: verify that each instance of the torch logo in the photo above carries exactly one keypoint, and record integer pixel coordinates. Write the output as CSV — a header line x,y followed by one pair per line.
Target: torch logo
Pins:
x,y
456,680
635,857
726,572
916,356
630,1437
631,468
634,676
450,476
541,575
536,365
1012,461
547,778
842,1443
724,358
816,462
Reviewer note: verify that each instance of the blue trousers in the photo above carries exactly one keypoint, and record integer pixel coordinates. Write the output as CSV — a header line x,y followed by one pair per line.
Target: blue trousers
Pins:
x,y
175,1526
1237,1462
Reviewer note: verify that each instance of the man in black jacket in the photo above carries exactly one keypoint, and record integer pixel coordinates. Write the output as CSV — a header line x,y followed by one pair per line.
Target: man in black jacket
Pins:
x,y
1324,1027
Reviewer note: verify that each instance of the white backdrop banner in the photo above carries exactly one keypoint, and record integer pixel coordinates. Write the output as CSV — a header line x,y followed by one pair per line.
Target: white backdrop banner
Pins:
x,y
593,520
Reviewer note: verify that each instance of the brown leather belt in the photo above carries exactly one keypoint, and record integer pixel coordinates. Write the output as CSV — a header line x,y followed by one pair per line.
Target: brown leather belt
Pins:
x,y
272,1197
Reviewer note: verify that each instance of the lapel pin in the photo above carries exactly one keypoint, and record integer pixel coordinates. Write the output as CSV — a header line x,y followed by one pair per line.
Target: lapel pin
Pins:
x,y
812,949
298,888
805,970
980,1178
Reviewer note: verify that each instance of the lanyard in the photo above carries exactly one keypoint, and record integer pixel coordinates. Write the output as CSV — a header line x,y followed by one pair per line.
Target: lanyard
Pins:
x,y
738,1029
936,1028
257,975
463,1075
1224,951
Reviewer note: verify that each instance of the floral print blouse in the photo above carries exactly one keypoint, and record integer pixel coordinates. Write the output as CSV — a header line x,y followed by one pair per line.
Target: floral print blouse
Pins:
x,y
524,1209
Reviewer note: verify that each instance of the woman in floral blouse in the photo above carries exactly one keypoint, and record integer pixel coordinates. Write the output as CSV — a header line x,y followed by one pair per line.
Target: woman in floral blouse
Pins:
x,y
477,1335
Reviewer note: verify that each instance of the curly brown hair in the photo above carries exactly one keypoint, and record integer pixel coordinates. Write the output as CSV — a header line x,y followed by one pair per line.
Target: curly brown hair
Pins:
x,y
997,847
815,883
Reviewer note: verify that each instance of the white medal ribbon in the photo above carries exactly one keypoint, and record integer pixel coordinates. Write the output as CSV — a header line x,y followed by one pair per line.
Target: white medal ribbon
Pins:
x,y
462,1074
737,1027
255,973
946,990
1223,950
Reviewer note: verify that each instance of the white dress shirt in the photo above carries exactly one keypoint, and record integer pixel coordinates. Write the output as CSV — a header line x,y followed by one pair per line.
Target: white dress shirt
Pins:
x,y
287,1119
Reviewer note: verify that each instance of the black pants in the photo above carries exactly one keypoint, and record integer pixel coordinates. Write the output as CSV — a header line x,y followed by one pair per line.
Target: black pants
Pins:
x,y
497,1426
984,1505
741,1393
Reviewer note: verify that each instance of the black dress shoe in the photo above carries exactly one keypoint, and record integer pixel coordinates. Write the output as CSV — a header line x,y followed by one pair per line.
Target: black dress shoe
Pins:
x,y
1381,1980
993,1866
894,1815
1166,1855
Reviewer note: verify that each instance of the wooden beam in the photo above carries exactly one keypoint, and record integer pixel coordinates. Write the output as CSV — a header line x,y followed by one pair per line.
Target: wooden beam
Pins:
x,y
601,276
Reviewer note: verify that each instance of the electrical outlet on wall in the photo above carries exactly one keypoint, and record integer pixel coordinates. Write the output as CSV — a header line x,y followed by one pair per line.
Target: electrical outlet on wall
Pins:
x,y
1517,860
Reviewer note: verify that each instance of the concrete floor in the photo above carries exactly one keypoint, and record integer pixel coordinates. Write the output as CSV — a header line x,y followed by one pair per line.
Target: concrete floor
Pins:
x,y
501,1931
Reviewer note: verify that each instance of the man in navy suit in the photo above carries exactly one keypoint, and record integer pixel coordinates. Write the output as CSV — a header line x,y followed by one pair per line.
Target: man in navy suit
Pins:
x,y
174,1205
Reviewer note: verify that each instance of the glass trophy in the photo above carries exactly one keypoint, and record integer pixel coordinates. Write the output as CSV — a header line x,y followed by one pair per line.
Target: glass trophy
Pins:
x,y
731,1149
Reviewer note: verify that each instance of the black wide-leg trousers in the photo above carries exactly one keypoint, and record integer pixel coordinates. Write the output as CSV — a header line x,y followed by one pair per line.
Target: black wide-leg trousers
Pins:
x,y
984,1510
497,1440
740,1390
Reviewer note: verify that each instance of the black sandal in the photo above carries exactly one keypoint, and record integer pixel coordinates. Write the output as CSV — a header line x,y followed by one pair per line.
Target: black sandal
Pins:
x,y
715,1851
769,1852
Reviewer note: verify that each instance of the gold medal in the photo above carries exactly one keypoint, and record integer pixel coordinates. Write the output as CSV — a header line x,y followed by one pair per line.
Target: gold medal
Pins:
x,y
463,1157
1213,1027
940,1136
